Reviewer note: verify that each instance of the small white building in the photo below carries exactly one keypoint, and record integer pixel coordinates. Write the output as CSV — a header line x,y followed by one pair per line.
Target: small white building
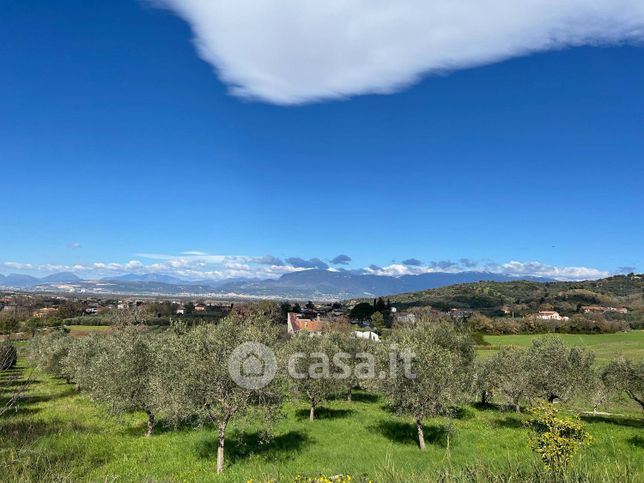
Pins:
x,y
550,315
366,335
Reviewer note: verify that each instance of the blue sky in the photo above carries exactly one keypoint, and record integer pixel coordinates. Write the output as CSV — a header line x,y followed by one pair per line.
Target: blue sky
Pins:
x,y
121,143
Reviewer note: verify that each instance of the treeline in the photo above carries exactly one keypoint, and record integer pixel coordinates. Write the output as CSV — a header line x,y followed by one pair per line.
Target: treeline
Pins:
x,y
479,323
577,324
182,374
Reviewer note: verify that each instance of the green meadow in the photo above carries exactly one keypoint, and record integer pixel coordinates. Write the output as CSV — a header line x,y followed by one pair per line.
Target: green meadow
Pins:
x,y
605,346
58,434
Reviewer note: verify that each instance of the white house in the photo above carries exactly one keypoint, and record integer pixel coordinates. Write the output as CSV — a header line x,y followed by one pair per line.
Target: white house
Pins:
x,y
366,335
550,315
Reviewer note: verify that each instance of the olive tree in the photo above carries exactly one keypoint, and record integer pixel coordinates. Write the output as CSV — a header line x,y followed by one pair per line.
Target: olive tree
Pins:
x,y
625,375
79,360
484,380
199,379
122,373
557,371
510,375
599,391
354,352
47,352
428,369
314,363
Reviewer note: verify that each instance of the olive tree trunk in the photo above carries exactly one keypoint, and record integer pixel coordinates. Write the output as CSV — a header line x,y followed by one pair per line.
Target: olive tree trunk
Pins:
x,y
151,420
312,413
421,433
220,446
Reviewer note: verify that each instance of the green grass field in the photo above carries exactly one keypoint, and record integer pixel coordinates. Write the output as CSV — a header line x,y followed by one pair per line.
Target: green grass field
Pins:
x,y
605,346
59,434
81,330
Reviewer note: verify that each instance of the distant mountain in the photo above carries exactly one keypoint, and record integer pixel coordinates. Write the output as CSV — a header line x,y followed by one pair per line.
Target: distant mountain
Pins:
x,y
16,280
60,277
325,284
148,277
306,284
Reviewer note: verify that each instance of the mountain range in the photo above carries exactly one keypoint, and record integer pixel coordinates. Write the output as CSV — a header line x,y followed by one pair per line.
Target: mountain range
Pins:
x,y
306,284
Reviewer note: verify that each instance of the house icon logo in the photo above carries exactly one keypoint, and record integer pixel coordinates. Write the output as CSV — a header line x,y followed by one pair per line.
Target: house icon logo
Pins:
x,y
252,365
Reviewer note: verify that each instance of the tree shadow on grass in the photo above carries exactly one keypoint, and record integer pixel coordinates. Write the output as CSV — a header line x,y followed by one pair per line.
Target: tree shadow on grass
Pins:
x,y
479,406
28,398
21,432
365,397
508,422
462,413
10,384
617,420
405,433
17,410
24,404
357,395
636,441
11,374
242,445
325,413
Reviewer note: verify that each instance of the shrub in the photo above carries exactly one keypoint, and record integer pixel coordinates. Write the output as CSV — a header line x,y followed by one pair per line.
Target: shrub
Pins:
x,y
48,351
554,439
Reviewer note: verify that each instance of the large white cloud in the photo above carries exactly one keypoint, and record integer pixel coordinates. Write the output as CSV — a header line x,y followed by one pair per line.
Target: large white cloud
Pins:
x,y
220,267
296,51
519,269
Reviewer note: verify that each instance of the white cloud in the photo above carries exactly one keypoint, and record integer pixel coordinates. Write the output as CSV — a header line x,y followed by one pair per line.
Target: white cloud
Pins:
x,y
219,267
193,252
297,51
551,271
519,269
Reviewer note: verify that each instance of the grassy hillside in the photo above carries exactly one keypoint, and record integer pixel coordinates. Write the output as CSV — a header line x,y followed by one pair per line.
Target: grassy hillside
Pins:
x,y
527,297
